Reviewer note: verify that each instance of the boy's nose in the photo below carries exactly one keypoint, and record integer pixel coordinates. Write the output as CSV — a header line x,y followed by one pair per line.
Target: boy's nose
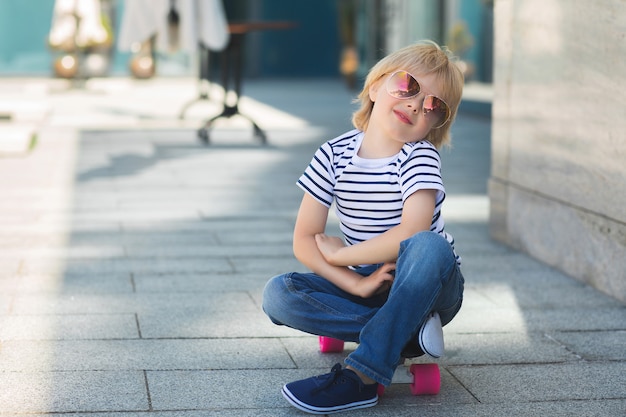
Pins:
x,y
415,103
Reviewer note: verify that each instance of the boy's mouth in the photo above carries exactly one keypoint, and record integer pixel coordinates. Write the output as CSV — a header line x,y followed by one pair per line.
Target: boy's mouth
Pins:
x,y
403,117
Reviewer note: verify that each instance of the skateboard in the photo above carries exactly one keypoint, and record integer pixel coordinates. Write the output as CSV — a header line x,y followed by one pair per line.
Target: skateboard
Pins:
x,y
424,378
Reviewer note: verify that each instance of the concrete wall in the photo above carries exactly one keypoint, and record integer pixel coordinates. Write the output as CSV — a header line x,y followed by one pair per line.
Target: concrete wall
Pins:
x,y
558,181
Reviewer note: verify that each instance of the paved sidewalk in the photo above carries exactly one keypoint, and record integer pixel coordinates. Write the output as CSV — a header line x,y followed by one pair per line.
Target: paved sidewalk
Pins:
x,y
132,261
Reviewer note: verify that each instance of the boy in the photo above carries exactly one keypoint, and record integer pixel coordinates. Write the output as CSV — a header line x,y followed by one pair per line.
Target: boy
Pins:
x,y
394,279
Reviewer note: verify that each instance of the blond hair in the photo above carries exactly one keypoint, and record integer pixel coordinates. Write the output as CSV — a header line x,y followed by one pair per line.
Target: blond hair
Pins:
x,y
427,58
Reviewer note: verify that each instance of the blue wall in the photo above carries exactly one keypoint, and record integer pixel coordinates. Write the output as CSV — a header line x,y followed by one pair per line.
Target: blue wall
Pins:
x,y
24,27
478,15
311,48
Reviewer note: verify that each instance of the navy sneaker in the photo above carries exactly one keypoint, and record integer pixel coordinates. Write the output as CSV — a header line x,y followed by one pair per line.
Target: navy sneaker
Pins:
x,y
340,390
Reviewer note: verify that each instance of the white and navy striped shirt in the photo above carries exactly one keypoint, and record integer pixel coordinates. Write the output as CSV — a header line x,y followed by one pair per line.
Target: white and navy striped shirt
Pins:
x,y
369,193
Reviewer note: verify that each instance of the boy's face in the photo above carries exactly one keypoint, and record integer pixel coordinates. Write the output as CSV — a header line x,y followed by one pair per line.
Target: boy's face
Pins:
x,y
402,120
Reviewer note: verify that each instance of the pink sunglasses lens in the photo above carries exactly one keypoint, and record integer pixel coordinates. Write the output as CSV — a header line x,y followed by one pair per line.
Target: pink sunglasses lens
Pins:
x,y
437,109
402,85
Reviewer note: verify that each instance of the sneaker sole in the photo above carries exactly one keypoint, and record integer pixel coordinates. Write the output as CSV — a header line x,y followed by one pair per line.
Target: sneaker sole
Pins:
x,y
291,399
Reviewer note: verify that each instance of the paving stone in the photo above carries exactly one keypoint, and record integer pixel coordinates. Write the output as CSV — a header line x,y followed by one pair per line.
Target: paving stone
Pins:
x,y
52,392
546,382
55,303
594,345
516,319
29,251
151,283
197,323
86,268
67,327
506,265
120,215
142,303
156,249
143,354
267,266
545,291
503,348
171,390
68,282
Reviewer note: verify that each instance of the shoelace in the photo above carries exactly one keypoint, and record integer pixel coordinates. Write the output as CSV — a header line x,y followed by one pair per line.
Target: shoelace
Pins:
x,y
330,378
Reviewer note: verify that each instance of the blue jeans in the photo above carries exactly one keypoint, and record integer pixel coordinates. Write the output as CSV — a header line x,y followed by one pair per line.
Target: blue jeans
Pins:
x,y
427,279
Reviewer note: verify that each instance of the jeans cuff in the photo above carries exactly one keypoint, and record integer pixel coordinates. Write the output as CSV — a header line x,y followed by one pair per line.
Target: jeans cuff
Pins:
x,y
386,381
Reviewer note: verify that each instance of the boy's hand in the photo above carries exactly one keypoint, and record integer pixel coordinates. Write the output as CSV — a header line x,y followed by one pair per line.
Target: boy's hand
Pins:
x,y
379,281
329,246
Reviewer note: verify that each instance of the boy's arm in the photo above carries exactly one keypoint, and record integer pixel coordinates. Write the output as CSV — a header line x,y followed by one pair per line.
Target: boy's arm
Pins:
x,y
311,221
417,214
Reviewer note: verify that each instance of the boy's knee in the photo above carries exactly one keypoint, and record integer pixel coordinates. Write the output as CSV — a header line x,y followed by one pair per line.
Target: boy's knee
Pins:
x,y
426,242
428,255
272,296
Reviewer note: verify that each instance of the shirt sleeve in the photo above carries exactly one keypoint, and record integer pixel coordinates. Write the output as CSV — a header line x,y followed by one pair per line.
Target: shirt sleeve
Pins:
x,y
421,170
318,179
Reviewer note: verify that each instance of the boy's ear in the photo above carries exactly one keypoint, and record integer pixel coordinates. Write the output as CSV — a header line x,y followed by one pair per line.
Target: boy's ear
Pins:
x,y
373,90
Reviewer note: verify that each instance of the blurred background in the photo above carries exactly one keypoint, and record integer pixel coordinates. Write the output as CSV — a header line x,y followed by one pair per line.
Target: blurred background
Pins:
x,y
329,38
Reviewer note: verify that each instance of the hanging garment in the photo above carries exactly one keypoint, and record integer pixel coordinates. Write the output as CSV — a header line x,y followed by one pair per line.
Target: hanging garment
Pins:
x,y
198,21
79,25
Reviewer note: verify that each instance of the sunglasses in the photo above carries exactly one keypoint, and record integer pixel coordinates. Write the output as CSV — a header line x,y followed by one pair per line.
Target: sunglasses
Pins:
x,y
403,85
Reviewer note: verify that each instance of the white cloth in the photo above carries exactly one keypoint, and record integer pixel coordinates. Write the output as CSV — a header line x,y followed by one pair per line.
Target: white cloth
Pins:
x,y
200,21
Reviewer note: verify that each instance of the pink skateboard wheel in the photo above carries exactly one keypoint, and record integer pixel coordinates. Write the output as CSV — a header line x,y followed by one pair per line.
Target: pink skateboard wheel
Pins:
x,y
380,390
328,344
426,379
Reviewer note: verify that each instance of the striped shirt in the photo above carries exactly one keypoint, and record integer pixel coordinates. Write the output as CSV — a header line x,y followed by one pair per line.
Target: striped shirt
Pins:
x,y
369,193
